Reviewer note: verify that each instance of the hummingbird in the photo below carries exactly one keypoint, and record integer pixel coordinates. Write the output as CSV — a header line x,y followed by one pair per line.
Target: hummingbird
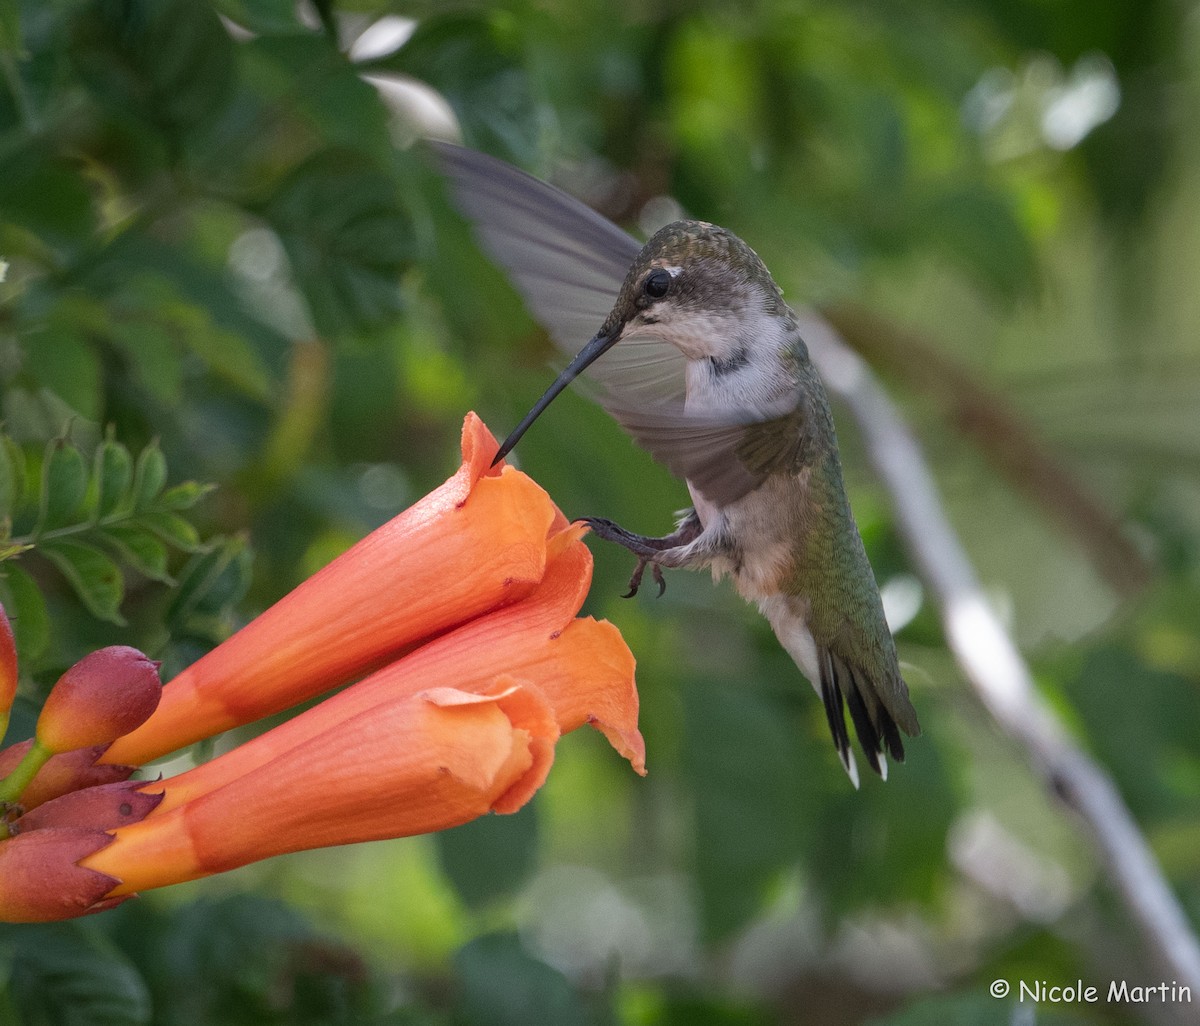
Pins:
x,y
700,359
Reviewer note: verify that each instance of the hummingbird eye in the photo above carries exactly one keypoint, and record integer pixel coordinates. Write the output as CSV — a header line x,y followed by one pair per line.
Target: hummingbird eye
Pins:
x,y
657,284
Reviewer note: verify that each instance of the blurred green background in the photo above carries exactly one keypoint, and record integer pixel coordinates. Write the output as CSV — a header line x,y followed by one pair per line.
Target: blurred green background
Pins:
x,y
220,244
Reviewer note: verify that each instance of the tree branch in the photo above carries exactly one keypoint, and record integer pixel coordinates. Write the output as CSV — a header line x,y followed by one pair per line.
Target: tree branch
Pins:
x,y
992,665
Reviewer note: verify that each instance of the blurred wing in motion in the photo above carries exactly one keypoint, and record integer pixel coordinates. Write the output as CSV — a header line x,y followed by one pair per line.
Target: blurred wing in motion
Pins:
x,y
568,263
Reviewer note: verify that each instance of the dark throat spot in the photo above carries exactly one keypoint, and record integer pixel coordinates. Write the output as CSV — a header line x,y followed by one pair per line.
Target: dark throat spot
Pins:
x,y
738,359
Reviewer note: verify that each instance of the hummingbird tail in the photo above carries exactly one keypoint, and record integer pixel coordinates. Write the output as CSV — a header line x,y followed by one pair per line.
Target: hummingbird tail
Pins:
x,y
877,697
878,734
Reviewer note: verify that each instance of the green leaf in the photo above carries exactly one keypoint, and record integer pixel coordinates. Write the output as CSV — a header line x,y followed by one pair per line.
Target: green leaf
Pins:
x,y
171,62
250,961
152,357
345,109
261,15
229,587
9,494
738,742
67,973
62,360
347,238
706,1009
27,612
979,228
227,354
113,474
867,848
500,984
40,416
47,195
470,59
10,28
184,495
95,578
64,484
211,578
142,550
165,320
149,476
172,528
1100,689
14,457
490,857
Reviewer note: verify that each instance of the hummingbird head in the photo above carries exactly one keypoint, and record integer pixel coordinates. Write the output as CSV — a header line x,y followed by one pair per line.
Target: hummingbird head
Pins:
x,y
694,285
698,287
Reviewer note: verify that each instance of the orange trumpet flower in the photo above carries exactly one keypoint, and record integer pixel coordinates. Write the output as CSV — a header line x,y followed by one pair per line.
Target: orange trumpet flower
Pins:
x,y
465,607
426,762
582,666
476,543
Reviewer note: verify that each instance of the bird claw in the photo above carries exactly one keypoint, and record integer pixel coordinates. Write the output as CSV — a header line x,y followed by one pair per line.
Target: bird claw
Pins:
x,y
644,548
635,581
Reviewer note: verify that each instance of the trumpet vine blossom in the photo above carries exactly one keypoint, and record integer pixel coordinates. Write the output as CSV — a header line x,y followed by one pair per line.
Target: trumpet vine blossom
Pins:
x,y
457,624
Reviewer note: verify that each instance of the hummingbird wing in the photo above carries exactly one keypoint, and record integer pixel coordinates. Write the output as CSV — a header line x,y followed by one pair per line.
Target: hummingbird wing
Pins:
x,y
724,455
568,263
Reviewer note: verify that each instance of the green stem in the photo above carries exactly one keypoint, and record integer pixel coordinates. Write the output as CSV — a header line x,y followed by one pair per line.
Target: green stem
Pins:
x,y
36,537
13,786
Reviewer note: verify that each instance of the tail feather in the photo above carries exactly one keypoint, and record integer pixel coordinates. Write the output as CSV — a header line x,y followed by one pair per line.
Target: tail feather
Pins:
x,y
835,713
875,692
868,734
842,685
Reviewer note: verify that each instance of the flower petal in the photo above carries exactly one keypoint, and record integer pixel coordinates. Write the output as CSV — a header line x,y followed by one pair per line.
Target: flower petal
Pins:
x,y
427,762
476,543
583,667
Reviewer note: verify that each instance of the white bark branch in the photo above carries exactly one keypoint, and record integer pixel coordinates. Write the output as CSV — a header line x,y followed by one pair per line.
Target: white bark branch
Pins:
x,y
993,666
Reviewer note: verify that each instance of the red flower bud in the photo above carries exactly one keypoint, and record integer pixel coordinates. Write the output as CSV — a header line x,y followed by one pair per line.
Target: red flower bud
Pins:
x,y
63,773
94,808
41,881
106,694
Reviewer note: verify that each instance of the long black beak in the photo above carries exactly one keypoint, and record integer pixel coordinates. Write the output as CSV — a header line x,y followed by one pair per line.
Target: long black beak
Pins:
x,y
596,347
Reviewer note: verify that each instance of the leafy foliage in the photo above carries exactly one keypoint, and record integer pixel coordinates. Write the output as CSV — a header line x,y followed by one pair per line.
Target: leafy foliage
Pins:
x,y
87,520
221,256
67,973
228,961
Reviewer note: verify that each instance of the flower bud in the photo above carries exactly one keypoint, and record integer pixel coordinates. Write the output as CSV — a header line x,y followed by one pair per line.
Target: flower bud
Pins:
x,y
70,771
94,808
41,881
106,694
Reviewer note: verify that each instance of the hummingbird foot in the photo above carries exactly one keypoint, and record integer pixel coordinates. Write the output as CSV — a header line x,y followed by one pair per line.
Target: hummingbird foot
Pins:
x,y
641,546
635,581
651,552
